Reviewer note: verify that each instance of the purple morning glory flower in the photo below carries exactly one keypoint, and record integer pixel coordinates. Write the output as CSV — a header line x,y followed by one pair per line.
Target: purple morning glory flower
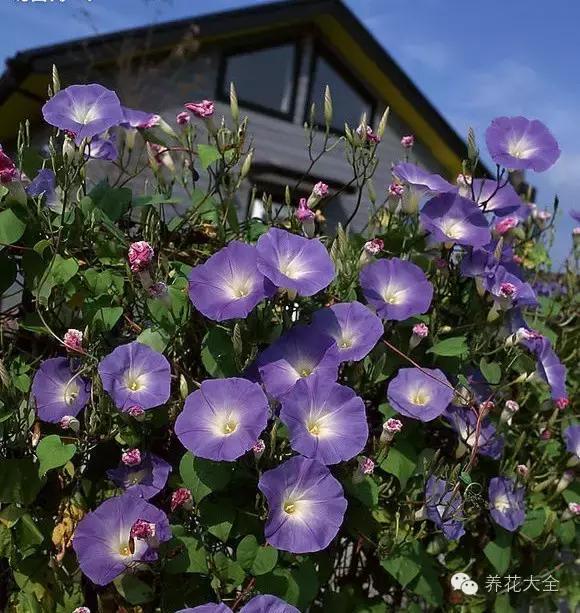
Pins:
x,y
102,148
85,110
268,604
464,422
145,479
509,291
572,439
519,143
450,218
396,288
223,419
416,394
133,118
575,214
326,420
507,503
483,263
44,184
550,369
501,200
299,353
422,179
210,607
443,508
58,391
229,285
294,262
135,374
306,505
103,541
354,328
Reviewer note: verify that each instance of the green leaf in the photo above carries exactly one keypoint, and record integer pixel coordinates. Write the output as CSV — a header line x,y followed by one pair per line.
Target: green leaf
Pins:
x,y
229,573
306,579
19,481
427,585
403,567
491,371
113,201
156,339
256,559
52,453
171,317
217,353
154,199
218,517
208,154
498,552
280,582
27,535
366,491
11,228
457,345
133,590
184,554
105,318
401,461
61,271
202,477
105,282
534,524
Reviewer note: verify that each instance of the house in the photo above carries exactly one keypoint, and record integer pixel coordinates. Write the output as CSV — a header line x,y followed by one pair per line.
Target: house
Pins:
x,y
280,57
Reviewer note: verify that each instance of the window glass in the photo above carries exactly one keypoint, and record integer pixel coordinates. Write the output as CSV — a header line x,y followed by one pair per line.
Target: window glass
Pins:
x,y
348,103
263,78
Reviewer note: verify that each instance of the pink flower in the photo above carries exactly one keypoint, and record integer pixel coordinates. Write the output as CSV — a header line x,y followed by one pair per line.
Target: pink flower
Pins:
x,y
487,405
522,470
396,190
82,610
8,171
505,225
574,508
68,422
182,118
203,109
507,290
374,246
140,255
142,529
181,498
545,434
259,447
517,259
370,136
132,457
303,213
393,425
136,411
366,466
561,403
73,340
420,330
512,405
320,190
408,141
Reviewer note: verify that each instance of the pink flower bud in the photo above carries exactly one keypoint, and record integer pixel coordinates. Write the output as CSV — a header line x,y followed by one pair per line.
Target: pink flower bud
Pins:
x,y
374,246
182,118
8,170
396,190
82,610
541,216
136,411
73,340
464,180
320,190
132,457
506,224
512,406
408,141
545,434
517,259
393,425
181,498
574,508
487,405
565,480
68,422
151,122
420,330
369,136
576,231
140,255
203,109
366,465
303,213
507,290
522,470
143,529
561,403
259,447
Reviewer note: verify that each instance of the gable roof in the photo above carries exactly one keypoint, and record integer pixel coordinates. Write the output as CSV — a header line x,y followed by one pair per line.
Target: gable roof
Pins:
x,y
23,86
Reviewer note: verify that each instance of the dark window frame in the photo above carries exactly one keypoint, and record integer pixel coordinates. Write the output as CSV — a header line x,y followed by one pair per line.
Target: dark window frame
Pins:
x,y
346,75
222,88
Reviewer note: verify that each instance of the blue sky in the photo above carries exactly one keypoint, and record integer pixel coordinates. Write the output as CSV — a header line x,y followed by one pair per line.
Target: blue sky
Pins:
x,y
499,58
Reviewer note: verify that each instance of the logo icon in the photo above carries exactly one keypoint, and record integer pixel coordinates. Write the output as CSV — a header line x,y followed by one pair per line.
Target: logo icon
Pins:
x,y
463,582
